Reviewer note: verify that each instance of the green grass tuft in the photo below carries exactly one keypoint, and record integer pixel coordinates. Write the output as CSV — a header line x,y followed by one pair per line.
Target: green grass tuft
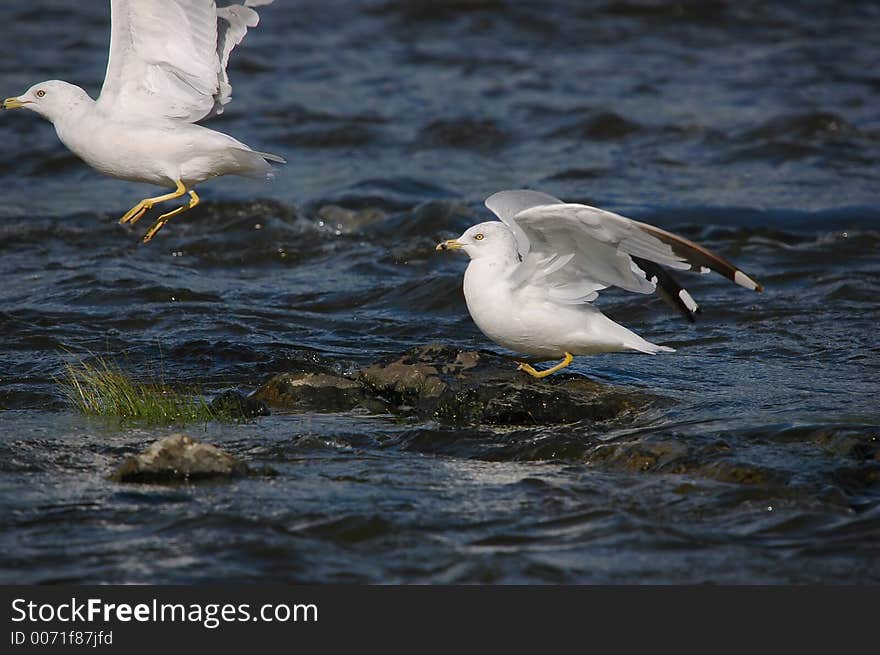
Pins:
x,y
101,388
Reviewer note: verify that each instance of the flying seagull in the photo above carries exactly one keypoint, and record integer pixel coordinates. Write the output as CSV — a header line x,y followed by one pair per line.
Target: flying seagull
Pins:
x,y
532,276
166,71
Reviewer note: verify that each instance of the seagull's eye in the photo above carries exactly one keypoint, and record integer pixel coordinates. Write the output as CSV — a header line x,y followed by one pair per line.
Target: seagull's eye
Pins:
x,y
40,93
478,237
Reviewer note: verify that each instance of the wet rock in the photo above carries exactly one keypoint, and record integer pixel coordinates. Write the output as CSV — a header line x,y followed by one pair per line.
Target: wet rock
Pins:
x,y
500,403
180,458
643,455
862,447
467,387
320,392
672,455
404,382
237,405
453,386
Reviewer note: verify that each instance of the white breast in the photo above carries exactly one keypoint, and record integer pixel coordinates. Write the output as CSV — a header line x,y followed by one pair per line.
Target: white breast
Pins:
x,y
498,310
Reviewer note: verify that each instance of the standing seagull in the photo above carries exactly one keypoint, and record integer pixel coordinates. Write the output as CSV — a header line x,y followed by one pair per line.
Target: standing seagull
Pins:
x,y
166,70
532,276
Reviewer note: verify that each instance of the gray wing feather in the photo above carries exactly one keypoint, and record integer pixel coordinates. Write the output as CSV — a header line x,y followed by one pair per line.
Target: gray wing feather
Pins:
x,y
232,25
598,245
168,57
507,204
573,251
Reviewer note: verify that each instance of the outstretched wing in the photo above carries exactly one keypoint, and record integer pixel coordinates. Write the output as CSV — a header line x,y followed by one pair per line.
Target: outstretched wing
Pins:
x,y
575,250
168,57
507,204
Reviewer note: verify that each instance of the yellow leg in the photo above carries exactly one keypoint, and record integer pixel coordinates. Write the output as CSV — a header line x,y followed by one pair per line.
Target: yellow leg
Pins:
x,y
160,222
134,214
550,371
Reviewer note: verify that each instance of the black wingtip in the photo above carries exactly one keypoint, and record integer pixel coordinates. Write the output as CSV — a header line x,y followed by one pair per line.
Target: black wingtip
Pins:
x,y
669,289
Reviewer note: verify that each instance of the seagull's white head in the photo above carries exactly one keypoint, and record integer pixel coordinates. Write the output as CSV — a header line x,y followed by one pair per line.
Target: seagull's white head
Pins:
x,y
52,99
492,239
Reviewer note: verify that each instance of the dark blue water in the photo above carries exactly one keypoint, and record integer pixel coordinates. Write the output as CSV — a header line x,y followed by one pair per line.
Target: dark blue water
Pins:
x,y
751,128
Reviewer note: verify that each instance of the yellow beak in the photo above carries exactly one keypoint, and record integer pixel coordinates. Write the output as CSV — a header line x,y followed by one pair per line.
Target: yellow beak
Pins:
x,y
451,244
13,103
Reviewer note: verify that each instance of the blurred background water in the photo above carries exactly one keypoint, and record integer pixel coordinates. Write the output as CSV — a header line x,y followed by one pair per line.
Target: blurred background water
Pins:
x,y
750,127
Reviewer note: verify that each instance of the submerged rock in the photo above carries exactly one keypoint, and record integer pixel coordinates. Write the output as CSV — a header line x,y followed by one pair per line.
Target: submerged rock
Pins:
x,y
237,405
180,458
664,453
453,386
320,392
